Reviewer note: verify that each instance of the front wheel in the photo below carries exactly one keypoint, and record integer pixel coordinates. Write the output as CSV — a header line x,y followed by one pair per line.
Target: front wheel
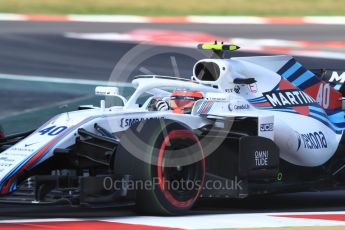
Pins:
x,y
167,164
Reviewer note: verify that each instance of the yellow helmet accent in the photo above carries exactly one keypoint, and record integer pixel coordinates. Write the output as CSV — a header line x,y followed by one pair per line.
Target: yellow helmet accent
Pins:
x,y
206,46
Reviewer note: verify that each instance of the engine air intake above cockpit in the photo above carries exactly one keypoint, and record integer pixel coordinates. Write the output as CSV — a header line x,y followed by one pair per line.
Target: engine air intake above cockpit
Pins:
x,y
207,71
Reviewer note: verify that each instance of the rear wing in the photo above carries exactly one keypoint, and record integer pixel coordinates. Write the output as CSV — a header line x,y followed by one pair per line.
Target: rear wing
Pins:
x,y
336,78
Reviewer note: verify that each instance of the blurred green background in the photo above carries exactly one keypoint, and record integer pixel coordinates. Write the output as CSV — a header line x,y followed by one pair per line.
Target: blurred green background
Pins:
x,y
177,7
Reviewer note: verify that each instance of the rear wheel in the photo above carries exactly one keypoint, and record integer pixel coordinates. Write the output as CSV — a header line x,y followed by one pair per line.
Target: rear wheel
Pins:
x,y
167,164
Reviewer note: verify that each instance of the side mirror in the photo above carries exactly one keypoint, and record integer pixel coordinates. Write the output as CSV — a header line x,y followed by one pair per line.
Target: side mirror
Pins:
x,y
106,91
109,91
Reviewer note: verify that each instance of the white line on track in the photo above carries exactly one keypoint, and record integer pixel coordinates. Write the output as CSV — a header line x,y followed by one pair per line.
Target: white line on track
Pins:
x,y
224,221
215,221
60,80
226,19
296,48
191,19
109,18
11,17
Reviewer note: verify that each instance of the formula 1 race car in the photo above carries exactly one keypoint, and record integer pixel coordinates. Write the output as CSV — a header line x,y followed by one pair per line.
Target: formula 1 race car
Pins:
x,y
238,127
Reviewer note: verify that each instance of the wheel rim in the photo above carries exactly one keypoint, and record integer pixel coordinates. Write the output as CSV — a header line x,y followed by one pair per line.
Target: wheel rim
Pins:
x,y
180,185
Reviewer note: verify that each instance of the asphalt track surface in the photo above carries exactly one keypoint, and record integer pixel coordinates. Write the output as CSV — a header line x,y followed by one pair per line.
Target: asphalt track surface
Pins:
x,y
289,32
317,201
39,49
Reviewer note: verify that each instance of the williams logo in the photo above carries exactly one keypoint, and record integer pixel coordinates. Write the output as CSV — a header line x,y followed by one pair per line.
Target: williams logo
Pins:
x,y
127,122
253,88
288,98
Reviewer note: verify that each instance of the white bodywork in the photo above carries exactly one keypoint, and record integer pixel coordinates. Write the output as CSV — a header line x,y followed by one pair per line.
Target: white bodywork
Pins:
x,y
222,99
290,129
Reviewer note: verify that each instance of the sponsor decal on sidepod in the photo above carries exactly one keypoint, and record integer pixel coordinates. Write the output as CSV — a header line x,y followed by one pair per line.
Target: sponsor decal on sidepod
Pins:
x,y
127,122
266,127
236,89
315,140
261,158
286,98
232,107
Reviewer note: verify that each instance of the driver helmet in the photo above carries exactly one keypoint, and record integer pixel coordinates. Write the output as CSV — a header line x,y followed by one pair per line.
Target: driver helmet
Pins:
x,y
182,101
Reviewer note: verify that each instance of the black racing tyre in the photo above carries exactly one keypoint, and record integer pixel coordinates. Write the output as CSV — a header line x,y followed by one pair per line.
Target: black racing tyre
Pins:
x,y
170,174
